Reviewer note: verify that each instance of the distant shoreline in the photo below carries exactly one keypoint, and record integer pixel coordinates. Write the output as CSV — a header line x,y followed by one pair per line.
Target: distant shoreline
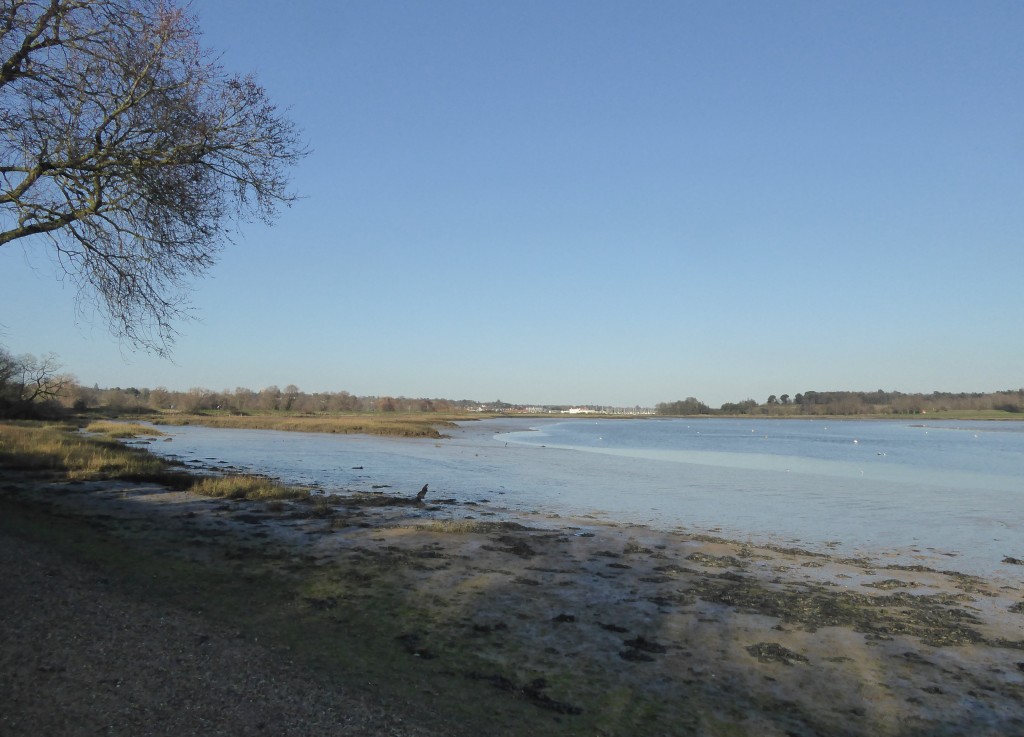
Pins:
x,y
429,426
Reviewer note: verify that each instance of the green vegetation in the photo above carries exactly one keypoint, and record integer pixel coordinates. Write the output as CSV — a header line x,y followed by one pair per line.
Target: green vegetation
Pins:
x,y
1002,405
688,406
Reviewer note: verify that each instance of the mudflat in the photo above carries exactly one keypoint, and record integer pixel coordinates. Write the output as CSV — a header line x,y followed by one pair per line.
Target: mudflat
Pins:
x,y
132,609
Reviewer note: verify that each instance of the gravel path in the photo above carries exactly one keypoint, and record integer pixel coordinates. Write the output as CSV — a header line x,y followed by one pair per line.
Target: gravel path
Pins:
x,y
79,658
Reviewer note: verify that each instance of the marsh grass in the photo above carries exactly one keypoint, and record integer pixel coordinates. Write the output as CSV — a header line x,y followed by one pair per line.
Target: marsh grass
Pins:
x,y
407,426
248,487
122,429
972,414
60,449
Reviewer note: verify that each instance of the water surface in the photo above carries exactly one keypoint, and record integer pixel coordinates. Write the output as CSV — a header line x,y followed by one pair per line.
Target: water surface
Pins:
x,y
945,494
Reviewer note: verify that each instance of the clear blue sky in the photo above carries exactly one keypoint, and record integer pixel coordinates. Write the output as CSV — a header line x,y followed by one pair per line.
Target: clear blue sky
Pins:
x,y
608,202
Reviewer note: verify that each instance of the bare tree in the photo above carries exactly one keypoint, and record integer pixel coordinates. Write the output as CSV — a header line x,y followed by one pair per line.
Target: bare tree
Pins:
x,y
126,146
26,381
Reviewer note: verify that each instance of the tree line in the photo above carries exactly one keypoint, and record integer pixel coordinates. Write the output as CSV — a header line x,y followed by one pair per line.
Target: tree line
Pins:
x,y
33,386
878,402
241,401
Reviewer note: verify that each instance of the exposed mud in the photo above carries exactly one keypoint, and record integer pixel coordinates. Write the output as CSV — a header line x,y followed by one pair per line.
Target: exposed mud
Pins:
x,y
605,629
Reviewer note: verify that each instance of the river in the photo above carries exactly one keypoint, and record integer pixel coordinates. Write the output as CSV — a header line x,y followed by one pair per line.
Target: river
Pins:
x,y
944,494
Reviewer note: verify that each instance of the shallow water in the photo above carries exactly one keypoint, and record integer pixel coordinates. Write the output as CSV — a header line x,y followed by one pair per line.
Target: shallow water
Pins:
x,y
950,495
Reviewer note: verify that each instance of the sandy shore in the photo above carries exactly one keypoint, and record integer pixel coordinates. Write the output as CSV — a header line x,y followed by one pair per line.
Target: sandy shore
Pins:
x,y
427,622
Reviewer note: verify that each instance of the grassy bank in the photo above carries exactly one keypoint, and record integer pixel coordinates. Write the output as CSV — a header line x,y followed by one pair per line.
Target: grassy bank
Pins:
x,y
122,429
407,426
61,450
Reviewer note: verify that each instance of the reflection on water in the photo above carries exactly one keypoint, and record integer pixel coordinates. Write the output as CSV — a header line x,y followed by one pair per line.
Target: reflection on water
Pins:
x,y
952,493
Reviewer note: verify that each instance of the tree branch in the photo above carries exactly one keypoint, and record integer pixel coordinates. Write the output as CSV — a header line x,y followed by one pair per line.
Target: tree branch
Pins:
x,y
131,151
